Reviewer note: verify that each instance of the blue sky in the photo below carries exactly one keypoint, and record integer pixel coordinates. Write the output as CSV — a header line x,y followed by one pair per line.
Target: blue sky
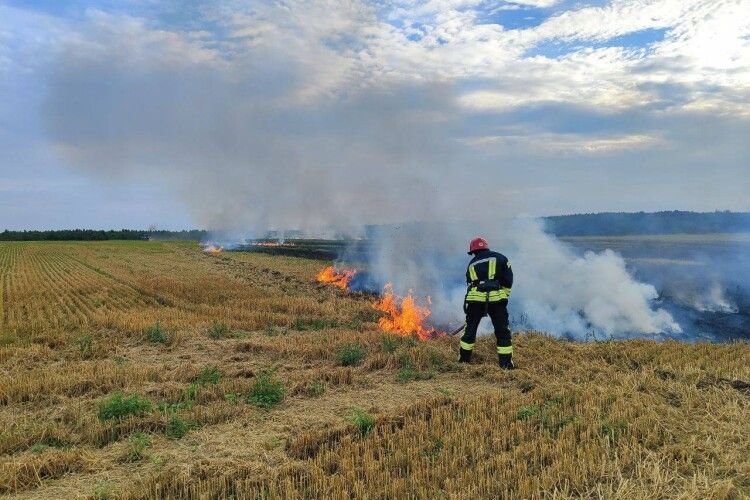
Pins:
x,y
310,114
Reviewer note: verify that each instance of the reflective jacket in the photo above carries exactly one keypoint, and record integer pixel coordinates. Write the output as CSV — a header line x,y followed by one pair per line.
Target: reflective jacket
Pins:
x,y
489,277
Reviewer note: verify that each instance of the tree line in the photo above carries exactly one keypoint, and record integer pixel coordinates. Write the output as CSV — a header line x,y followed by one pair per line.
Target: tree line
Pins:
x,y
101,235
639,223
591,224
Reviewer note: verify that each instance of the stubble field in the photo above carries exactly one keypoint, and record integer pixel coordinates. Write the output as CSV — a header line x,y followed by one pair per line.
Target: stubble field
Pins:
x,y
154,370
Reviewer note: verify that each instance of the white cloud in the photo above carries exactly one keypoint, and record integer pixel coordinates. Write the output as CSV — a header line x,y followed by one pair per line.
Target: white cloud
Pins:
x,y
541,4
567,144
331,92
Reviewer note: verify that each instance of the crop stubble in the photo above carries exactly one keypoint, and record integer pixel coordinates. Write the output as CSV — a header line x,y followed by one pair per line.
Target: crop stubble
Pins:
x,y
635,419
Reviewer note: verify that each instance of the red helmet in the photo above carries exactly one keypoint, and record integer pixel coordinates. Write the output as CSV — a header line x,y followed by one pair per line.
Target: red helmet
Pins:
x,y
478,243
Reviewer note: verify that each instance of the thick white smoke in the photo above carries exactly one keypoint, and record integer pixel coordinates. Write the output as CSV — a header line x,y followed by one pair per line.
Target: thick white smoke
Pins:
x,y
555,290
561,292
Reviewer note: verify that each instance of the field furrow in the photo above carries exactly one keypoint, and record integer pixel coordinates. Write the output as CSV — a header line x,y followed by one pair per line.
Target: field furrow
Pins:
x,y
153,370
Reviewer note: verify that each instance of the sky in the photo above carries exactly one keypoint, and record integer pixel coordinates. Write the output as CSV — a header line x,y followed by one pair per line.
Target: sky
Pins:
x,y
307,114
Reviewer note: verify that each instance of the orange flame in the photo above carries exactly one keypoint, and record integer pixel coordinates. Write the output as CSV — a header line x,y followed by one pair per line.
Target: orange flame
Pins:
x,y
405,316
213,249
340,279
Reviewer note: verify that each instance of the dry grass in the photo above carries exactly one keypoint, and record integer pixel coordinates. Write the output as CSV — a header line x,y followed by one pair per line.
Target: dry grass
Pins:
x,y
633,419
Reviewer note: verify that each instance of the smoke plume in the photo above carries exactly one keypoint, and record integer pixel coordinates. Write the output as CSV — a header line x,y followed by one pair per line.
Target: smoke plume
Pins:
x,y
555,290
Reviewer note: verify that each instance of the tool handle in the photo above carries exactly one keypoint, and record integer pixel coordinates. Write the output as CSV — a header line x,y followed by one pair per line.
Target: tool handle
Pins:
x,y
455,332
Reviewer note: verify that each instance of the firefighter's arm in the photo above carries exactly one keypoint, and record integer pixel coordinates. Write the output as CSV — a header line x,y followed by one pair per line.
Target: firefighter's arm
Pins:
x,y
507,275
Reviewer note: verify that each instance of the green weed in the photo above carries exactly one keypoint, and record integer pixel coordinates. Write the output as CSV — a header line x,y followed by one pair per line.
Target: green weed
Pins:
x,y
85,346
209,375
38,448
409,374
218,330
118,406
177,427
48,442
233,398
137,445
266,392
350,354
389,343
526,412
614,430
7,339
103,491
316,389
362,420
156,334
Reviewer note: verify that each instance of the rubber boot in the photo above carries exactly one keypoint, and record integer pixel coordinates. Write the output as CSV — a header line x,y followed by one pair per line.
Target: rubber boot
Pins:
x,y
506,361
464,356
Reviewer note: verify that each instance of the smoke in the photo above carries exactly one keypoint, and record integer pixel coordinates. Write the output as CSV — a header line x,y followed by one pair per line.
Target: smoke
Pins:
x,y
713,299
282,124
555,290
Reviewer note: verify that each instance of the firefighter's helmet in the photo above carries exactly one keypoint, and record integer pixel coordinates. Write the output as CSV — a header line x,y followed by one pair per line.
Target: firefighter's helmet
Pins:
x,y
478,243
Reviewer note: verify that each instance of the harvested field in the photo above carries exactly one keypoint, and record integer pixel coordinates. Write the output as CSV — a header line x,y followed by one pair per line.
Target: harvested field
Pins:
x,y
153,370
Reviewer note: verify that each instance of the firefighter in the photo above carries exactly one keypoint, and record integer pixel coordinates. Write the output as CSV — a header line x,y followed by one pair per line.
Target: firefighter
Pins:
x,y
489,279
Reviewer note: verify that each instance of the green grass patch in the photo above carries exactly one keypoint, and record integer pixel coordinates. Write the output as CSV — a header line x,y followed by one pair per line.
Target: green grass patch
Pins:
x,y
266,392
350,354
7,339
218,330
210,375
38,448
233,398
614,430
410,374
389,343
316,389
118,406
85,345
363,421
156,334
303,324
526,412
177,427
136,448
48,442
272,331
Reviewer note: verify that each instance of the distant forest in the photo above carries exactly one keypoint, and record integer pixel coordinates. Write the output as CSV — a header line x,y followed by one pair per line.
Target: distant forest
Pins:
x,y
601,224
623,224
98,235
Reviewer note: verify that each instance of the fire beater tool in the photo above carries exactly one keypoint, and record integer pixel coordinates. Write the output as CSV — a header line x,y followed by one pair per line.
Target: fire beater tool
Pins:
x,y
457,331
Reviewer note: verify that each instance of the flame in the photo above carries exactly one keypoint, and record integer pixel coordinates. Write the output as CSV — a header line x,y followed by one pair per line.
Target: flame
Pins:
x,y
340,279
404,316
212,249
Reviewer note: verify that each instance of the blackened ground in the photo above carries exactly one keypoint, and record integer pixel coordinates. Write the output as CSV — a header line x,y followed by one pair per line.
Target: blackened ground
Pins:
x,y
687,271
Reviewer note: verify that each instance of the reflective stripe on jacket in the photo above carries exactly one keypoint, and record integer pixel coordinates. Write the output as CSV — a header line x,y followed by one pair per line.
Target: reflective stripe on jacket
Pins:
x,y
485,267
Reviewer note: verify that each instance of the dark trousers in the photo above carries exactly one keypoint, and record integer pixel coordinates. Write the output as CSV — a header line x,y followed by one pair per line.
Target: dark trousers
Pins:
x,y
498,313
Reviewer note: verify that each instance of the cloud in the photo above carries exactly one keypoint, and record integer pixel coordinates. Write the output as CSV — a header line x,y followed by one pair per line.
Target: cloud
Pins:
x,y
567,144
311,113
541,4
